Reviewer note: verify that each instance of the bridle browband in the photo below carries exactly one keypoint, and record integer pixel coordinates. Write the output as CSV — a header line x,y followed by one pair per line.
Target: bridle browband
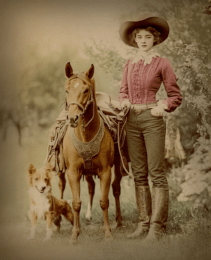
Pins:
x,y
83,77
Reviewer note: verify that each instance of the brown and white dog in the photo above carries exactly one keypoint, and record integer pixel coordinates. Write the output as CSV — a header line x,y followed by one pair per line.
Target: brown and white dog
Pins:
x,y
42,203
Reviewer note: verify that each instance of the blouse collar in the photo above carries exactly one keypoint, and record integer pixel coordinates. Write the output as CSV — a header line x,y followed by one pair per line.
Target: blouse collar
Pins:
x,y
145,56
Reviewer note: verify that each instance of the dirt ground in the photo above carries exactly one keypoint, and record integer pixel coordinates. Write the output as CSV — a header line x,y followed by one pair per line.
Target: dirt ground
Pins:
x,y
186,239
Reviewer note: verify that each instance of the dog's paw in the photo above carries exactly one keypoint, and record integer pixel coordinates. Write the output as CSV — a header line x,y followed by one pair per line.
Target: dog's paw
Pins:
x,y
47,238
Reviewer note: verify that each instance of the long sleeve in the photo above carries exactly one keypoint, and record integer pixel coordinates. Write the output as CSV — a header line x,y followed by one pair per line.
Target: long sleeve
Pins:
x,y
123,93
173,91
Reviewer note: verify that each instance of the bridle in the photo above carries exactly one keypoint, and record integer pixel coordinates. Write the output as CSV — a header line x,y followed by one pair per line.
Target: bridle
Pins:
x,y
83,77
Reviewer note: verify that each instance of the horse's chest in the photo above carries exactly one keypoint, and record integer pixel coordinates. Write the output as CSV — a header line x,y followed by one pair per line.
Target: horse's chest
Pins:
x,y
89,149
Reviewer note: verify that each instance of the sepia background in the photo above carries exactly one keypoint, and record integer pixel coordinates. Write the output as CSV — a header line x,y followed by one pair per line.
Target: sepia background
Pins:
x,y
37,39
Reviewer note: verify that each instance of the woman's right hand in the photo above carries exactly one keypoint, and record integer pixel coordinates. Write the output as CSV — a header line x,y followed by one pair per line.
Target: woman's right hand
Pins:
x,y
125,104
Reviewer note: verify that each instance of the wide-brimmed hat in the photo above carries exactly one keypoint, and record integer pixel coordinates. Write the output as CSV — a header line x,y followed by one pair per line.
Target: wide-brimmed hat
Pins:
x,y
156,22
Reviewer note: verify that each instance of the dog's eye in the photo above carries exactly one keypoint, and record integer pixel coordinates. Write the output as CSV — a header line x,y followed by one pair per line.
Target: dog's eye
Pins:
x,y
46,179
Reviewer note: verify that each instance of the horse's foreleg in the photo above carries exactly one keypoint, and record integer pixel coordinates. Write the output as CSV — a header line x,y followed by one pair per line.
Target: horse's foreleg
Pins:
x,y
116,192
91,189
62,183
74,181
105,181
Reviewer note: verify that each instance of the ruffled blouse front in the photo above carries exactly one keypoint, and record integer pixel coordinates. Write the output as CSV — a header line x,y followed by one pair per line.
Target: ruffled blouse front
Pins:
x,y
140,82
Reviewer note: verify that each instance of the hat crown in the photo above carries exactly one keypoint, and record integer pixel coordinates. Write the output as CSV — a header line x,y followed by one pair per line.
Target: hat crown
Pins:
x,y
144,21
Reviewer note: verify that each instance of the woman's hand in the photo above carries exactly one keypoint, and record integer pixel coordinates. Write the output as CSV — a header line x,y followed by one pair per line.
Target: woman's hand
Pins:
x,y
125,104
159,109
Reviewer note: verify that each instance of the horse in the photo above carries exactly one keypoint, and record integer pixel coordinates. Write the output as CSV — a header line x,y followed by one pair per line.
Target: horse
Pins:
x,y
86,130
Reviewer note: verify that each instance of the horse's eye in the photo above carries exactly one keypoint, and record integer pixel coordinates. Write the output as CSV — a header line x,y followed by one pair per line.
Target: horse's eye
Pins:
x,y
66,92
86,91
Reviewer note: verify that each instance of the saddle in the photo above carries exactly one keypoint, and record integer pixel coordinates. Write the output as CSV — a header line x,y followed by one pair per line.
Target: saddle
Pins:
x,y
114,120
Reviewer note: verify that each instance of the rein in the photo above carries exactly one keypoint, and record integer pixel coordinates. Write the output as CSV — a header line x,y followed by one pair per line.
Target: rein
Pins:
x,y
90,100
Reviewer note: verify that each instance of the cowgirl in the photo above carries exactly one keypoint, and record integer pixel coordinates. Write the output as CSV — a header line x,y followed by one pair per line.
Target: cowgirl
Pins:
x,y
145,128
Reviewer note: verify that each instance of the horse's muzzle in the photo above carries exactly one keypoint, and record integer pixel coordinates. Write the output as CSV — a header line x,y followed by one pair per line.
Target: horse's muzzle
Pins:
x,y
73,121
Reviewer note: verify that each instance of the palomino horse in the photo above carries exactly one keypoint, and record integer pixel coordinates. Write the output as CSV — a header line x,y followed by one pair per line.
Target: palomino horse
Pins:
x,y
86,129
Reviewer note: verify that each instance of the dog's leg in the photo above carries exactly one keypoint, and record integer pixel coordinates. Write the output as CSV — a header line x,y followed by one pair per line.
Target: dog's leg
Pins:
x,y
62,183
33,218
49,218
91,189
67,212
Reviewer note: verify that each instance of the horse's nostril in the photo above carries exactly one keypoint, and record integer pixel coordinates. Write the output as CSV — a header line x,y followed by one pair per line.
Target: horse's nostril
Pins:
x,y
76,118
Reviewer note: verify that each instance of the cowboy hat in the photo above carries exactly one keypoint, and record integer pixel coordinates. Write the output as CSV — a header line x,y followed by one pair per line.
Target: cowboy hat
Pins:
x,y
156,22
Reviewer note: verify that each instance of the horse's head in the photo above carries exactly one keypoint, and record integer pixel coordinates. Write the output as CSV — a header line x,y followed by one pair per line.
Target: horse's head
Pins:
x,y
79,91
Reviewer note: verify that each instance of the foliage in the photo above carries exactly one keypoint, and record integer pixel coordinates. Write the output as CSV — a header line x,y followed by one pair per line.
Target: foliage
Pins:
x,y
35,99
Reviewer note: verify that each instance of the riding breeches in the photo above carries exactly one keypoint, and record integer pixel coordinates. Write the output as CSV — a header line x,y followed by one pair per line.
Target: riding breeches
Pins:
x,y
146,148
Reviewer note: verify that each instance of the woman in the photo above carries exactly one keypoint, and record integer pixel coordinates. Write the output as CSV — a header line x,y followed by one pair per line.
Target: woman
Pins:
x,y
145,128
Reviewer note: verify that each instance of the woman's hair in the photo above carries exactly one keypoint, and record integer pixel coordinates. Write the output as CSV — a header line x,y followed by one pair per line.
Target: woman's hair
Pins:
x,y
150,29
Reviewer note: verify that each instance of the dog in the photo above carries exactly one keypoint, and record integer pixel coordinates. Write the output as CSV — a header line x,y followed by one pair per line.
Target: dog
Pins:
x,y
42,203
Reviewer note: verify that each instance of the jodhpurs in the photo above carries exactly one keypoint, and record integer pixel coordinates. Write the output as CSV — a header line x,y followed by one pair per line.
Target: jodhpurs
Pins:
x,y
146,148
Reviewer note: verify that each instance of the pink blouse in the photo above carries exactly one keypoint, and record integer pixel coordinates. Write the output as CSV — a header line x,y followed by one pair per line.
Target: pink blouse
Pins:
x,y
140,82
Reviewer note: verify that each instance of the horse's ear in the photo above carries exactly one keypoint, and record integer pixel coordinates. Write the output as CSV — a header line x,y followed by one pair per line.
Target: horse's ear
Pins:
x,y
68,70
90,72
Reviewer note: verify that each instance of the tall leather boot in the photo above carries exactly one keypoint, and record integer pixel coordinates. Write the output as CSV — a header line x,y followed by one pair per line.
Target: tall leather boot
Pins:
x,y
143,200
160,202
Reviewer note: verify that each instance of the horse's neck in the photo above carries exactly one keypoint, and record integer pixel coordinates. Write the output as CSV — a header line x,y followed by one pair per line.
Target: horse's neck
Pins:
x,y
91,129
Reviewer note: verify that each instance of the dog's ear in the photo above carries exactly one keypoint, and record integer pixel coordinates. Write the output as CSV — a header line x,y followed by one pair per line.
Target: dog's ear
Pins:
x,y
31,169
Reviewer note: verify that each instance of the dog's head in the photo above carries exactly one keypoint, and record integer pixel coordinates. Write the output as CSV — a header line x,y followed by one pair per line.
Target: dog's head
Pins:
x,y
40,178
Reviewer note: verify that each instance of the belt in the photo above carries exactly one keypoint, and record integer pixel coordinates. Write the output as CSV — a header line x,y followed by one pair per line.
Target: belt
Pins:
x,y
144,106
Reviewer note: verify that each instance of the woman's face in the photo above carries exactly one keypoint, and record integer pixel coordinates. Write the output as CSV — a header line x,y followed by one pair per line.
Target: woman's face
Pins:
x,y
144,40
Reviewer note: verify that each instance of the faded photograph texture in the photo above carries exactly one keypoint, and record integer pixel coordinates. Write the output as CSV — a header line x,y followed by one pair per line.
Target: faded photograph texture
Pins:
x,y
37,39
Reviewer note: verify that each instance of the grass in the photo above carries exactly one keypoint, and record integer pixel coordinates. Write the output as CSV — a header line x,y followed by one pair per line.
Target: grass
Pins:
x,y
188,237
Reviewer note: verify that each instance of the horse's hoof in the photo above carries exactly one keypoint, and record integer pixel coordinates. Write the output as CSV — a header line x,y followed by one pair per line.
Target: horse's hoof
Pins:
x,y
46,239
108,239
118,224
73,241
108,236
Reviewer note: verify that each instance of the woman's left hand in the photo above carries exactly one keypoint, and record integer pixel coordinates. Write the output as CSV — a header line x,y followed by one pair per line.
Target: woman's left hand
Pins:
x,y
159,109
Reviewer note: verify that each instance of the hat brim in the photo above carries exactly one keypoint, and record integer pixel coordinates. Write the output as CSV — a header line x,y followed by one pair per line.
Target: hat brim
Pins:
x,y
156,22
